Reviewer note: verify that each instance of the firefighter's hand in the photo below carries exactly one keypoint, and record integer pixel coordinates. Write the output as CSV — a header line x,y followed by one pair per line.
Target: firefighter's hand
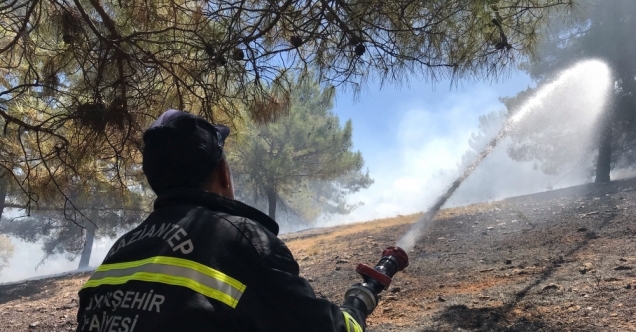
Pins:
x,y
361,298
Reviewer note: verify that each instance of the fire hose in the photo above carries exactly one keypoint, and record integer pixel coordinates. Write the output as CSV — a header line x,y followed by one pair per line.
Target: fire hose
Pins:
x,y
363,297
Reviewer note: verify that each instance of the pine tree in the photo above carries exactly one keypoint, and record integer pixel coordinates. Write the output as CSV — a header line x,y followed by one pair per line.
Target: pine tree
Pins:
x,y
62,228
303,159
603,31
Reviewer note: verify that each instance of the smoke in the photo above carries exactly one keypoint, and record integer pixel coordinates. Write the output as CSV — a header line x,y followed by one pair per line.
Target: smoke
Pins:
x,y
412,160
621,174
27,256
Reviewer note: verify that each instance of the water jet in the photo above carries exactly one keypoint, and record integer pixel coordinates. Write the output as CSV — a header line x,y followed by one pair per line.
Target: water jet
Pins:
x,y
588,79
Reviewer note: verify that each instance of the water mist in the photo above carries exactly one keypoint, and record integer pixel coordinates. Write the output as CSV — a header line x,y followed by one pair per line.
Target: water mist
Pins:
x,y
586,84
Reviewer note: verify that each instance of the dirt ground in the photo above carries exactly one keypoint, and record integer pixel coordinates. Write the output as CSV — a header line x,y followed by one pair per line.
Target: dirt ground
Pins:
x,y
563,260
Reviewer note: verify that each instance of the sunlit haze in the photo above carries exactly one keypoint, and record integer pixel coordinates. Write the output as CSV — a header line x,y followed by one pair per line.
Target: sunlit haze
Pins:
x,y
412,139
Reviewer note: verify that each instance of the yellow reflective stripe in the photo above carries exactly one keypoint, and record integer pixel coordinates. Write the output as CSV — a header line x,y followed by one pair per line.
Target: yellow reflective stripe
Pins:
x,y
176,262
171,271
168,280
351,323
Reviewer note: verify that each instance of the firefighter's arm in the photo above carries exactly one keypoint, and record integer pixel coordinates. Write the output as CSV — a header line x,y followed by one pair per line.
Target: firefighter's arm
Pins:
x,y
295,306
361,298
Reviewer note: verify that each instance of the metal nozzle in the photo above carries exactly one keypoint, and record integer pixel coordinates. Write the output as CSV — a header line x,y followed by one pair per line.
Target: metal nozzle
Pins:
x,y
393,259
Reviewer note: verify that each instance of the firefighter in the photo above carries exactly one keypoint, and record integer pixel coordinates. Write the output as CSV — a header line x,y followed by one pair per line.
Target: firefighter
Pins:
x,y
203,261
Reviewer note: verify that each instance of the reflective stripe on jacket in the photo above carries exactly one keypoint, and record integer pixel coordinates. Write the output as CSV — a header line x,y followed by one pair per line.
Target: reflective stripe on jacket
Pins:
x,y
202,262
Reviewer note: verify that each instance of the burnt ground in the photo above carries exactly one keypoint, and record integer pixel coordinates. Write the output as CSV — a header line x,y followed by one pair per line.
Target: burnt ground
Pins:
x,y
563,260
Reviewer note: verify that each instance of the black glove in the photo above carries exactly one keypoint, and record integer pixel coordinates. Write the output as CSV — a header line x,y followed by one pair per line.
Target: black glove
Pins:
x,y
360,301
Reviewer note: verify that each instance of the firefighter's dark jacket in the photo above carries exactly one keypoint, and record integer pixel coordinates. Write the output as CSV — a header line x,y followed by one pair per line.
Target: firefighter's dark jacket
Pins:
x,y
202,262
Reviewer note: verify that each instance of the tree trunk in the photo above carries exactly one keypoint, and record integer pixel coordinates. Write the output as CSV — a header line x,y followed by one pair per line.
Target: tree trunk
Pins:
x,y
603,163
4,184
271,199
88,247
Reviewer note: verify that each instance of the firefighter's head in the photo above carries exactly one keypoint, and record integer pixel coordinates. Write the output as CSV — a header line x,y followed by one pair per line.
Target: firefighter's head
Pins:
x,y
182,150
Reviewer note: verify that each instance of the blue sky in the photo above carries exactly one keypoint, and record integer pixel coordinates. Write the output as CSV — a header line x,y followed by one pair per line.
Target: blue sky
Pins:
x,y
376,113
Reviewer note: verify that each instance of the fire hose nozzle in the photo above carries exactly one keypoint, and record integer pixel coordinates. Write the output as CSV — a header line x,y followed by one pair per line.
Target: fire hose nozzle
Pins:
x,y
363,297
393,259
399,254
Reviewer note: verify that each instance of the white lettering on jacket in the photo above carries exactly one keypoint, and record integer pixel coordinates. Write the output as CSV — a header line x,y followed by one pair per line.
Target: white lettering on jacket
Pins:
x,y
175,236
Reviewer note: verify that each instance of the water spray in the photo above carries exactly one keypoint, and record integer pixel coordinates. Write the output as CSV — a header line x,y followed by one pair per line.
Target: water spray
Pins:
x,y
600,75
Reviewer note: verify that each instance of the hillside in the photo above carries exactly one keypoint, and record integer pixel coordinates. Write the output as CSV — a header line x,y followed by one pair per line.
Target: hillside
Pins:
x,y
563,260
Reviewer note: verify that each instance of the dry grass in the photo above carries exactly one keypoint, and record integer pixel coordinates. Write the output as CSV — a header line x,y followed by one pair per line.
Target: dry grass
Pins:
x,y
313,245
469,209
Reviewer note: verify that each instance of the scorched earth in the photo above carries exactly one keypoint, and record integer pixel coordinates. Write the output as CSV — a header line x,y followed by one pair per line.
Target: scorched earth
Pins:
x,y
562,260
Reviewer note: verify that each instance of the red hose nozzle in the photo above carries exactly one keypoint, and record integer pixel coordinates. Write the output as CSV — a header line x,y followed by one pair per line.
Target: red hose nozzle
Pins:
x,y
399,254
393,259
